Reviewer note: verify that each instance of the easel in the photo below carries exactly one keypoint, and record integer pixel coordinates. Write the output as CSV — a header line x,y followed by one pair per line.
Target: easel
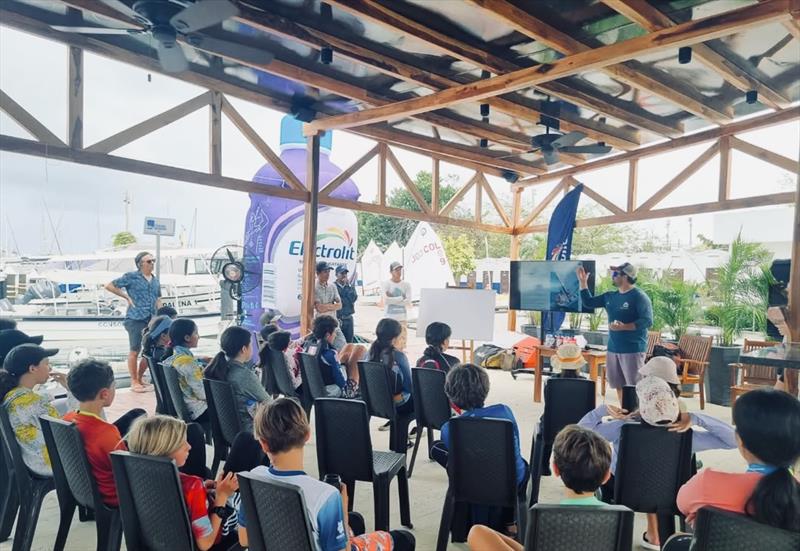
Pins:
x,y
464,349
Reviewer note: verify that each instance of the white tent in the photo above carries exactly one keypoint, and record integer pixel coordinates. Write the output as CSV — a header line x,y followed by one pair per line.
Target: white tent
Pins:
x,y
371,269
426,263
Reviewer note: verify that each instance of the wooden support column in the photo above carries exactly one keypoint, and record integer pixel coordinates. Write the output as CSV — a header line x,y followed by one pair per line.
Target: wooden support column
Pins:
x,y
75,99
382,173
794,272
724,168
515,245
310,234
215,134
479,198
633,183
435,188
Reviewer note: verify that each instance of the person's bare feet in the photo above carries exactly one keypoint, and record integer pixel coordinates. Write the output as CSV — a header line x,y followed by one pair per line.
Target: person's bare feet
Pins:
x,y
137,386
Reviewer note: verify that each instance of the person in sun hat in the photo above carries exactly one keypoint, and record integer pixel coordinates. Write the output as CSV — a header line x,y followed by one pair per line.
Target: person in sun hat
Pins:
x,y
568,361
630,314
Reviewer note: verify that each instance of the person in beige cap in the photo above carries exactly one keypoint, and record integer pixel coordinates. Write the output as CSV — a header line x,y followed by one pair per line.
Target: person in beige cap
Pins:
x,y
630,314
568,361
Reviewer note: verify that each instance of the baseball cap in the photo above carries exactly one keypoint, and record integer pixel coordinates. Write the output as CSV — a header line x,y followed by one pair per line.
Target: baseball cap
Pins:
x,y
663,368
21,357
626,268
341,269
568,356
323,267
394,265
10,338
657,403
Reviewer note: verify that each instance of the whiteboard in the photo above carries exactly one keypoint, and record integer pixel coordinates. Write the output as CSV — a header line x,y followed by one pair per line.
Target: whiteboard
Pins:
x,y
468,312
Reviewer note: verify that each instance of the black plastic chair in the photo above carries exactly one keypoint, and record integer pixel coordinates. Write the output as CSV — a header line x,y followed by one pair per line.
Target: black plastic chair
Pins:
x,y
718,530
630,401
652,464
71,470
9,502
344,447
30,488
313,384
268,380
431,406
277,517
224,416
376,390
151,504
164,404
481,469
277,362
566,401
579,528
171,381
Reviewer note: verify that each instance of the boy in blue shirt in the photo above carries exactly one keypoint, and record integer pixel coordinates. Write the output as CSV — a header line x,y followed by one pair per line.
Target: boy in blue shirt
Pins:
x,y
282,429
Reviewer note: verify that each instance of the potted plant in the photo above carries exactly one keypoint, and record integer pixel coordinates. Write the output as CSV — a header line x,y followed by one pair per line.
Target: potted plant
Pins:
x,y
595,319
678,304
739,292
532,328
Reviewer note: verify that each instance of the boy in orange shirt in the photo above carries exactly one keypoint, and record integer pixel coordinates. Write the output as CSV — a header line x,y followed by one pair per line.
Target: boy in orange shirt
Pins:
x,y
92,384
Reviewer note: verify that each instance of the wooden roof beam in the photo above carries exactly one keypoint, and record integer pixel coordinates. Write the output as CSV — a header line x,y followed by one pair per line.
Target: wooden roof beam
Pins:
x,y
684,34
354,49
676,92
747,78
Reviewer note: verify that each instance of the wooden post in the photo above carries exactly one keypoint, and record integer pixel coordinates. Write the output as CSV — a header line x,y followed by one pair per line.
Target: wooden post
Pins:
x,y
215,134
310,234
794,289
724,168
479,199
382,174
515,243
435,187
633,183
75,99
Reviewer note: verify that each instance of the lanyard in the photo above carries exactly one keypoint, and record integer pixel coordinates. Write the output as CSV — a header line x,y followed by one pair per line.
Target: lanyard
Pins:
x,y
762,469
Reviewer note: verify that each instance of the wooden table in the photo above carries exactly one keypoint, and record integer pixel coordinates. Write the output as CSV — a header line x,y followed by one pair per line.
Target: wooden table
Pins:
x,y
786,356
595,358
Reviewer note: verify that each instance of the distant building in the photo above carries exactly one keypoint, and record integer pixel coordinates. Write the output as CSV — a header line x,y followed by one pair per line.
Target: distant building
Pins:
x,y
772,227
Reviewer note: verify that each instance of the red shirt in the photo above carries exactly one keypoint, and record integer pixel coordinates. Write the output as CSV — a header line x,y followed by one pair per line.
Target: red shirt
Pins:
x,y
194,493
729,491
100,438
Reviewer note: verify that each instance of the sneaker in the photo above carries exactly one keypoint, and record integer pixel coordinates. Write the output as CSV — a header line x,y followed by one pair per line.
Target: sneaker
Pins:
x,y
386,426
647,545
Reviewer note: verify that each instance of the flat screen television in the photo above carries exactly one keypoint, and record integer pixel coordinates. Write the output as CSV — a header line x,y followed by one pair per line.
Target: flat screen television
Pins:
x,y
547,285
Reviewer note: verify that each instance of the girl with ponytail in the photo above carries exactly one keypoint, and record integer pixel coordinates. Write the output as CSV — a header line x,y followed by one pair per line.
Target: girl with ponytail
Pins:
x,y
768,434
233,365
384,350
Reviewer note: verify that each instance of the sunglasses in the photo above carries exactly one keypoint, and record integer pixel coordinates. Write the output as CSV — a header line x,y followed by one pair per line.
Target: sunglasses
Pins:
x,y
151,261
616,273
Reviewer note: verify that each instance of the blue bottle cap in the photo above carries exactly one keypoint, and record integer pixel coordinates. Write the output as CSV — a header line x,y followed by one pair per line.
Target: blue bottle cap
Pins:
x,y
292,136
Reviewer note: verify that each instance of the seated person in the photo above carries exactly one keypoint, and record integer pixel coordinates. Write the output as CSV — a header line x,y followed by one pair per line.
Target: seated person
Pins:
x,y
92,384
168,311
320,344
568,362
582,460
184,336
779,315
281,341
163,436
437,336
232,365
467,387
26,366
155,338
283,430
384,350
768,437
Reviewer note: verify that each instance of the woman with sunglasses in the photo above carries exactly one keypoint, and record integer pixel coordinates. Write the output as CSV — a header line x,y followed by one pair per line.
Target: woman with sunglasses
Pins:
x,y
142,291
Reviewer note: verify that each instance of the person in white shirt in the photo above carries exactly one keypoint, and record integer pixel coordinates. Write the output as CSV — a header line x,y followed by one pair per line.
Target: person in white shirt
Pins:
x,y
396,296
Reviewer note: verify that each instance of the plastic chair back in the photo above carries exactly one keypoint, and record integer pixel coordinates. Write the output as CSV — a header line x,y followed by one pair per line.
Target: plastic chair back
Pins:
x,y
431,406
481,464
312,376
344,446
276,513
578,528
13,452
223,411
630,401
280,371
376,389
176,395
652,464
68,457
566,401
268,380
154,515
163,401
718,530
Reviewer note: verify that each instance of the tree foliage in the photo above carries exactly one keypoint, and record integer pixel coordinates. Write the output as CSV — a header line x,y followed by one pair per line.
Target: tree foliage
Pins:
x,y
460,253
123,238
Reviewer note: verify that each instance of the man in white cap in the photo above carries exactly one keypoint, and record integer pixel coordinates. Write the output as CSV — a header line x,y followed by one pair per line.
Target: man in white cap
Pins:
x,y
396,295
630,314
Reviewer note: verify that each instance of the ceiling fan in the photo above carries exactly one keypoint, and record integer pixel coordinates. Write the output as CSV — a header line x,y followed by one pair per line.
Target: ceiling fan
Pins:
x,y
167,21
551,144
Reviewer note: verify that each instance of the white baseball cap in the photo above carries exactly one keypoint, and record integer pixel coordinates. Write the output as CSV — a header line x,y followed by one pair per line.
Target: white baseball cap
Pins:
x,y
657,403
663,368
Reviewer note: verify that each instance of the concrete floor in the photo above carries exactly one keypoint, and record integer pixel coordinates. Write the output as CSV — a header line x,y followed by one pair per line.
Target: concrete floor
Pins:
x,y
429,483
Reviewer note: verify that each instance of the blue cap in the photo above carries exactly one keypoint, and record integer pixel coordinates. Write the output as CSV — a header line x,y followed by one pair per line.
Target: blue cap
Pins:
x,y
292,136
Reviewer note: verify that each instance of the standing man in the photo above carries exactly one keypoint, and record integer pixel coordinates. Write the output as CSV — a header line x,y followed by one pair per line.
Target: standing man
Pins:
x,y
630,314
348,296
142,291
396,295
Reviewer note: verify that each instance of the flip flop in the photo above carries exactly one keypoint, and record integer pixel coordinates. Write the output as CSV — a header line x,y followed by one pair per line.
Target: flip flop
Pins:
x,y
141,389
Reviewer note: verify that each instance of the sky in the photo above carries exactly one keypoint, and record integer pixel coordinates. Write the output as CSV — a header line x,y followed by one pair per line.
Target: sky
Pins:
x,y
49,206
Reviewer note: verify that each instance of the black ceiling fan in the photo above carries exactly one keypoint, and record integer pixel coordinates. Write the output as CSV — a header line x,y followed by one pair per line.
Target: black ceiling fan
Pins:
x,y
167,21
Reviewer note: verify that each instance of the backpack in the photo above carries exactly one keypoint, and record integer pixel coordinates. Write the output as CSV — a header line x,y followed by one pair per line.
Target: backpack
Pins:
x,y
491,356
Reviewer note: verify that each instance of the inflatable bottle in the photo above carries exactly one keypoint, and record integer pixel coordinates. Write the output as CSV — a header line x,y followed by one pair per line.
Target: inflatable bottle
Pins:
x,y
273,235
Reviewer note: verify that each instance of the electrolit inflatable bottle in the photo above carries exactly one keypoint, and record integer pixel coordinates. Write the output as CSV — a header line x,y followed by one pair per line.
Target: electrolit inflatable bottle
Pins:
x,y
273,235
